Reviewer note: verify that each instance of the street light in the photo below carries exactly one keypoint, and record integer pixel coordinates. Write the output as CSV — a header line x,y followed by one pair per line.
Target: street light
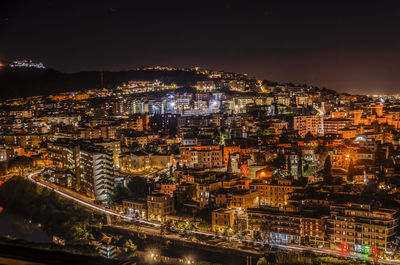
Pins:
x,y
189,261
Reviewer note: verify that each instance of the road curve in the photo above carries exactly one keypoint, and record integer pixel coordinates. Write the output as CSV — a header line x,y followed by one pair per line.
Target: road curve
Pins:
x,y
32,178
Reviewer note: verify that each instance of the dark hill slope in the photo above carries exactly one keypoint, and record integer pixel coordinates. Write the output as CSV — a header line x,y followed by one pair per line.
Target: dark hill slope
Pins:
x,y
22,82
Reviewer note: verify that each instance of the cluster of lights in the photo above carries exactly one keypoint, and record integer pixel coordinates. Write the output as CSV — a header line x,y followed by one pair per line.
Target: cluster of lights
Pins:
x,y
28,64
359,248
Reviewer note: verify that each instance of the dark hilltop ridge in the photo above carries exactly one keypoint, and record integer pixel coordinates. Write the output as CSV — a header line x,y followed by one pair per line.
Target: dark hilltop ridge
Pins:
x,y
23,82
19,82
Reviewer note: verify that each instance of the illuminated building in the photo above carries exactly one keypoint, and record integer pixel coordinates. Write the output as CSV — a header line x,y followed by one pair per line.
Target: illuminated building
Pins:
x,y
222,219
332,126
281,227
91,166
206,85
137,208
159,206
357,226
275,193
201,156
313,124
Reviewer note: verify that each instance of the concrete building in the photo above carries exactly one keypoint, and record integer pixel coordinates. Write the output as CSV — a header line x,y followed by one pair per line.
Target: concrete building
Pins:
x,y
280,227
222,219
91,166
332,126
274,193
362,227
313,124
159,206
137,208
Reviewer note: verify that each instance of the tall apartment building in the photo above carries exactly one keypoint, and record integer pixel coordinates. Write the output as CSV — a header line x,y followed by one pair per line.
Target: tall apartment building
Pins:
x,y
313,124
96,172
91,166
362,227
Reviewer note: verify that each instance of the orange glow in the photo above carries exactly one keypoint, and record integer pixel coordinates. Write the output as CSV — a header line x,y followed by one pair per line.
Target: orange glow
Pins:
x,y
1,64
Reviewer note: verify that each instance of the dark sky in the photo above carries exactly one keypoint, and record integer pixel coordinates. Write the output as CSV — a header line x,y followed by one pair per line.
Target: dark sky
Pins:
x,y
351,46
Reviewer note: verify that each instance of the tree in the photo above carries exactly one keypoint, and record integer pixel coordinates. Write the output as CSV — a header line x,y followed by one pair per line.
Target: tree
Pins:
x,y
163,229
229,232
20,163
204,225
279,161
106,239
262,261
350,171
327,171
130,248
174,149
229,167
119,194
61,217
266,229
81,232
309,136
139,187
300,164
307,170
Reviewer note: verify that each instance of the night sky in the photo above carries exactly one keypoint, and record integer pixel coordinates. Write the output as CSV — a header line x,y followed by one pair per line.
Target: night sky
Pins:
x,y
351,46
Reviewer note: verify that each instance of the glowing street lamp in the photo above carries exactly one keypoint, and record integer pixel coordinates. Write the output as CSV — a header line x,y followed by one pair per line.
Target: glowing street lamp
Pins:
x,y
189,261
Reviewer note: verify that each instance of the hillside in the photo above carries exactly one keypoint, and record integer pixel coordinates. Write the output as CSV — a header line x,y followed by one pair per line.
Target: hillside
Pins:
x,y
22,82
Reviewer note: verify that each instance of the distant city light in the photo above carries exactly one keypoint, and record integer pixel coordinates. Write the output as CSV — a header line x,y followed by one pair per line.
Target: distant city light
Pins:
x,y
27,64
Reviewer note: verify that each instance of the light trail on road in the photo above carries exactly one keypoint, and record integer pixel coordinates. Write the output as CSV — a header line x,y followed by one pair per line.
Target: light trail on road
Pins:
x,y
82,202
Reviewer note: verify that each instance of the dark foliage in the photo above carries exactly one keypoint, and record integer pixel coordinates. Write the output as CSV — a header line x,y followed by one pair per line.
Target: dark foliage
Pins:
x,y
327,171
57,215
139,187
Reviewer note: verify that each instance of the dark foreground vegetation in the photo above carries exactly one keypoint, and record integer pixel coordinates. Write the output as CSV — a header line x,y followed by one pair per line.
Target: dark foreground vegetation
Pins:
x,y
56,215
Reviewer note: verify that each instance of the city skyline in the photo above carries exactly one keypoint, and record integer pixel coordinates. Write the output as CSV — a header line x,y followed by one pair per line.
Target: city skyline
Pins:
x,y
205,133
